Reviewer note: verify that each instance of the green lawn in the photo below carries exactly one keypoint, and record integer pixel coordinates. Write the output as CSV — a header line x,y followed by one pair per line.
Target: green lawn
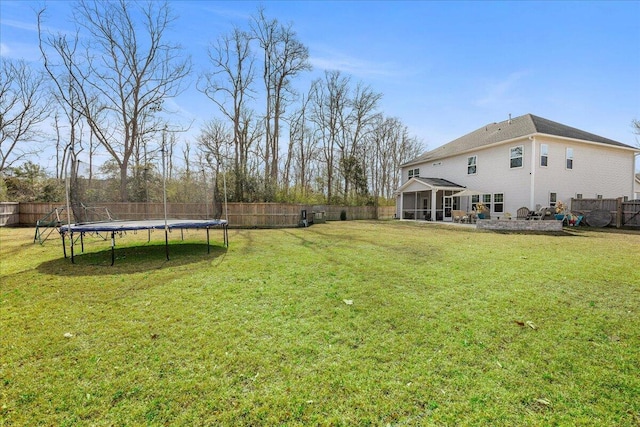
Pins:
x,y
446,326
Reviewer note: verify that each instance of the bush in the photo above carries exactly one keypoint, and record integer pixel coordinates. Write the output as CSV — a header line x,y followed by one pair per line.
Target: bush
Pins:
x,y
343,215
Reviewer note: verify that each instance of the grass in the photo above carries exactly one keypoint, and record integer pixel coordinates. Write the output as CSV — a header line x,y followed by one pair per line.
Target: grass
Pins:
x,y
447,326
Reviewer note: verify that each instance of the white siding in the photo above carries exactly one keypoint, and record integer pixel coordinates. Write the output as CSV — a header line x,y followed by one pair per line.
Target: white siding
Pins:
x,y
597,170
493,173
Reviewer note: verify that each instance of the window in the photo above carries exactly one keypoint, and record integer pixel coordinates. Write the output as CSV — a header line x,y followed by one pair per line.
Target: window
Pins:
x,y
598,196
410,173
486,200
474,201
579,196
544,155
416,172
569,158
553,198
472,165
498,202
516,156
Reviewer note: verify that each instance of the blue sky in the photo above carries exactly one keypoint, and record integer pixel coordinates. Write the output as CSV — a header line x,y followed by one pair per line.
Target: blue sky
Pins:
x,y
444,68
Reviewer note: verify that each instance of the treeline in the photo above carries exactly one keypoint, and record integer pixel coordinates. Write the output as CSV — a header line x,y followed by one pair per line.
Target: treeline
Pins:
x,y
104,91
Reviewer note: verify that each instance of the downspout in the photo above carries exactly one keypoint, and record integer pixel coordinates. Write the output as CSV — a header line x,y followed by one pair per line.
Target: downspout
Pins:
x,y
532,198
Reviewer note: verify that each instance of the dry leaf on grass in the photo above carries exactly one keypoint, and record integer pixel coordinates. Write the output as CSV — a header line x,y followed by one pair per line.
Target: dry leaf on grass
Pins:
x,y
531,324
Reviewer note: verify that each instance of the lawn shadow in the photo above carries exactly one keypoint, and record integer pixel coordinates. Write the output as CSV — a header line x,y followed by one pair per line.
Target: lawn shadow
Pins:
x,y
133,259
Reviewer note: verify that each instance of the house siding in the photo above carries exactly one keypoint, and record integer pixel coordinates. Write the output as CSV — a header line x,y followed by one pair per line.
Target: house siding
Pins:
x,y
597,170
493,175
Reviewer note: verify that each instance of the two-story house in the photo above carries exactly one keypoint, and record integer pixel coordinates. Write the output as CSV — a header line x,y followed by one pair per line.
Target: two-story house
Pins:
x,y
527,161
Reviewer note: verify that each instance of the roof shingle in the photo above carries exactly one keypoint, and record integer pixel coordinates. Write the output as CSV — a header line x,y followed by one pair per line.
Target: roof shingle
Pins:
x,y
510,129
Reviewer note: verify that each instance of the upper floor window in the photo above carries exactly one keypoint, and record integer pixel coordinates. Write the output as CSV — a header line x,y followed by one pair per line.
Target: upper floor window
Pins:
x,y
569,158
544,155
414,173
472,164
516,154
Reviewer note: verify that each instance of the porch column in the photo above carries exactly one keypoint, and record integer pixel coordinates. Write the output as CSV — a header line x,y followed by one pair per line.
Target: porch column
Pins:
x,y
434,193
401,213
415,207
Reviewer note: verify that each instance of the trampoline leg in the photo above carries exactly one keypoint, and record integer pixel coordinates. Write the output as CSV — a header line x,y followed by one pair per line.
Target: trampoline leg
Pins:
x,y
208,247
113,247
64,246
149,236
166,243
82,241
71,241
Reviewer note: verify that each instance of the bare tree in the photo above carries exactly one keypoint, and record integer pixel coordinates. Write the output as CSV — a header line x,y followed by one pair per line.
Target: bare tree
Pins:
x,y
284,58
635,125
358,123
24,105
214,144
229,86
121,75
302,147
330,99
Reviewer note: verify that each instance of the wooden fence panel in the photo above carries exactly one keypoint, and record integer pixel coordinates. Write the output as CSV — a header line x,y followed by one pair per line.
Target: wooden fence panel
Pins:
x,y
622,213
239,214
9,213
631,213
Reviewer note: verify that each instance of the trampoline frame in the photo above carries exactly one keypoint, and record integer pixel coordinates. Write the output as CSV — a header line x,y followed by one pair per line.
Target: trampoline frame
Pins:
x,y
122,226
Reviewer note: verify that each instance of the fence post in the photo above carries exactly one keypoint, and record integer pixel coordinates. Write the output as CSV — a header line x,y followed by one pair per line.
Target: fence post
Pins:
x,y
619,222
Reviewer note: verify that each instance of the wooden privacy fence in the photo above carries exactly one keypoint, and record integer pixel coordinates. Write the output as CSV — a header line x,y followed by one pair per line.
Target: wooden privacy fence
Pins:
x,y
9,213
623,214
239,214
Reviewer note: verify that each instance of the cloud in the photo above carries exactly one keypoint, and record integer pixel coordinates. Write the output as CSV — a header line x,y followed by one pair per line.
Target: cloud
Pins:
x,y
326,59
4,50
503,91
19,25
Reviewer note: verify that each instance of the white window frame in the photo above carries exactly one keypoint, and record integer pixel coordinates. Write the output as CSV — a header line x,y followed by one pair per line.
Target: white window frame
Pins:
x,y
486,200
512,157
544,155
472,165
569,158
553,198
497,203
416,172
475,198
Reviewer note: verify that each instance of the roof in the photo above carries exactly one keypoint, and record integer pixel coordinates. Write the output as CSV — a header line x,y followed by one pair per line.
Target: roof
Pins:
x,y
517,127
431,184
438,182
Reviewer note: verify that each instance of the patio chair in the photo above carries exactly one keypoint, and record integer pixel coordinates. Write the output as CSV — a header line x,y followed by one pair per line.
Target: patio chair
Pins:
x,y
539,214
459,216
523,213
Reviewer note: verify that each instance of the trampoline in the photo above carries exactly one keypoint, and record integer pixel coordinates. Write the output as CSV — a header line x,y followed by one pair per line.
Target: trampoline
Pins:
x,y
123,226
